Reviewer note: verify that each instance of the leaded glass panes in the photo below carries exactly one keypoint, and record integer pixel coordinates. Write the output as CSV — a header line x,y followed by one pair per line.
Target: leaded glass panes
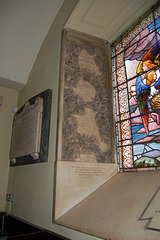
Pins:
x,y
136,74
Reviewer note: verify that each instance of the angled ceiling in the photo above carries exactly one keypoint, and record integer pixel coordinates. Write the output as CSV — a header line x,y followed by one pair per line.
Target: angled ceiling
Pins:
x,y
24,25
107,19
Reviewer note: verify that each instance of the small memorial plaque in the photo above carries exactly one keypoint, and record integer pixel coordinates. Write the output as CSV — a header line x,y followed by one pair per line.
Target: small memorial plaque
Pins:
x,y
26,131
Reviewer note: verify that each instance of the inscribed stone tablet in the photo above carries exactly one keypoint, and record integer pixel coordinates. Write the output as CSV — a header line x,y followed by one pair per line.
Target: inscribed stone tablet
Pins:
x,y
26,131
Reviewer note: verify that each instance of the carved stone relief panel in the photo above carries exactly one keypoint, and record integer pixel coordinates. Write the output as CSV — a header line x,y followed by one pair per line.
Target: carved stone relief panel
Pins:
x,y
85,149
86,110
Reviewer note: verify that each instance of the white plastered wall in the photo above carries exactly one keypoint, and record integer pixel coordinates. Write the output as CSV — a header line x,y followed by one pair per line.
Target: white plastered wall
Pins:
x,y
33,185
9,101
24,25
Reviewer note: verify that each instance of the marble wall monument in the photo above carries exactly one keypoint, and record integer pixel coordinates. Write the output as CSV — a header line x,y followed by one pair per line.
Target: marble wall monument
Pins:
x,y
85,149
30,131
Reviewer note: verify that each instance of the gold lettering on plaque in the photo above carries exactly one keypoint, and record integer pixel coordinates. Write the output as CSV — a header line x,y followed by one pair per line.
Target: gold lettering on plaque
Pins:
x,y
87,61
85,90
87,125
89,158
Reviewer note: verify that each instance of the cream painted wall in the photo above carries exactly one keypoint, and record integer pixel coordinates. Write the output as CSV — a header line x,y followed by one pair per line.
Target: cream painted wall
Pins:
x,y
24,25
6,116
33,185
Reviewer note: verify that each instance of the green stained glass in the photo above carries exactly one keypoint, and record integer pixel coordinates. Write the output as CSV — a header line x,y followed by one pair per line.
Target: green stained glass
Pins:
x,y
136,72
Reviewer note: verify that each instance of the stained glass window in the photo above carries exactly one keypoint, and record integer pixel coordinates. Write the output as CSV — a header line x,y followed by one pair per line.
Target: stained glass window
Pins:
x,y
136,75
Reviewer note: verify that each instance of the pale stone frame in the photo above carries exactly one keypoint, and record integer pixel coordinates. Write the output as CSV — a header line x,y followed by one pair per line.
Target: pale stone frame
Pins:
x,y
66,171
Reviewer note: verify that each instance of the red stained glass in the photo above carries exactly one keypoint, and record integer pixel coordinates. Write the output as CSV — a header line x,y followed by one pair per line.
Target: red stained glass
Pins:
x,y
137,87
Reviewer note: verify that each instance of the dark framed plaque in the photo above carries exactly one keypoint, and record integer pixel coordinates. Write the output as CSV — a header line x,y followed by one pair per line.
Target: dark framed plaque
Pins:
x,y
30,131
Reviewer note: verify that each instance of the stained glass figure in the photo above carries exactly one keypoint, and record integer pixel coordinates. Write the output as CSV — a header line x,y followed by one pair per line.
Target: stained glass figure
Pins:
x,y
136,73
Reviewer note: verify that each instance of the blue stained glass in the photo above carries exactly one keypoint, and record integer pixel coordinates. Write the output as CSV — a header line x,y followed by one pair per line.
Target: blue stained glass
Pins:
x,y
138,136
142,75
135,129
155,24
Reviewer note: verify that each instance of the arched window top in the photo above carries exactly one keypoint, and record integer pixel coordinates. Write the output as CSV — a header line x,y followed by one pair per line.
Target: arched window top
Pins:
x,y
136,73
